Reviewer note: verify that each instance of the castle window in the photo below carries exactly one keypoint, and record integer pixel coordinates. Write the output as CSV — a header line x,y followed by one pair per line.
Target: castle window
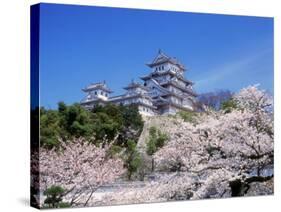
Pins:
x,y
101,93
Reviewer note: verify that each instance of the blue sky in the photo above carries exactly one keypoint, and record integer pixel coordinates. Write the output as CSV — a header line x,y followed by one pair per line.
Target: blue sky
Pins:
x,y
80,45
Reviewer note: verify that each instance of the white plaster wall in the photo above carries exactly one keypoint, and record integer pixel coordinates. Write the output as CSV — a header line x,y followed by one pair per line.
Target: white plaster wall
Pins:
x,y
145,111
174,89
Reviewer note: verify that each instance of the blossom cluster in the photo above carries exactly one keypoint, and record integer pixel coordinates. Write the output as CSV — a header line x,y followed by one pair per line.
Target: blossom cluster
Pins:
x,y
218,156
80,168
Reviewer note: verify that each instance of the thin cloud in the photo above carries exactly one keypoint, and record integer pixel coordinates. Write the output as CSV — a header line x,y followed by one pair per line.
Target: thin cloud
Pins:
x,y
218,74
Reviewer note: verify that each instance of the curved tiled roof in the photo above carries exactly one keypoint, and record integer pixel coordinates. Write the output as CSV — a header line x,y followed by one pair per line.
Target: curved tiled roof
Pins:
x,y
163,58
96,86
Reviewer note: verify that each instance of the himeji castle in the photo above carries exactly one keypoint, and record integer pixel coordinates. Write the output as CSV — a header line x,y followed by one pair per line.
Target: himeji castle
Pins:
x,y
164,90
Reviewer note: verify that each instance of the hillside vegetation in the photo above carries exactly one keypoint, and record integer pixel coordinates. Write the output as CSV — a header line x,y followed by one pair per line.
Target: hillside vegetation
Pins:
x,y
101,124
190,155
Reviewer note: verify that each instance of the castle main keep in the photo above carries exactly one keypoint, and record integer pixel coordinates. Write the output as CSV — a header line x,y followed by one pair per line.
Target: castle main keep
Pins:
x,y
165,90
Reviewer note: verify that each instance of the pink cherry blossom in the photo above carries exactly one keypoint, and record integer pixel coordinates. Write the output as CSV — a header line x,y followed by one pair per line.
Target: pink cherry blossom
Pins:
x,y
80,168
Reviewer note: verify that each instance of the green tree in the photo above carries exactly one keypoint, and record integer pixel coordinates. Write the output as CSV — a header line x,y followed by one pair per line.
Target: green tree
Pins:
x,y
107,121
133,160
77,121
161,139
104,126
156,140
54,197
132,117
188,116
229,105
101,123
49,128
132,124
151,147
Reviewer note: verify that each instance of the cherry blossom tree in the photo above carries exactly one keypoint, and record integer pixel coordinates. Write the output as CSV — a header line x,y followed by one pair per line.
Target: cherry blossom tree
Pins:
x,y
80,168
254,99
171,186
220,156
238,144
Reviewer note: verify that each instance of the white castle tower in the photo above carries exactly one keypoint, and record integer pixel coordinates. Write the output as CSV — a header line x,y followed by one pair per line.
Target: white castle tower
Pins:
x,y
169,89
165,90
97,93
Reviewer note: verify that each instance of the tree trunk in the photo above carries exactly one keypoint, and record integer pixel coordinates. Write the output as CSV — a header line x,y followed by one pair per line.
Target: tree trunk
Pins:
x,y
92,191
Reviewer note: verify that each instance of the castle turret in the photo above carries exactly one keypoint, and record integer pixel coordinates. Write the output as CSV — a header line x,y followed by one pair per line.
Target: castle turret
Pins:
x,y
97,93
136,88
136,94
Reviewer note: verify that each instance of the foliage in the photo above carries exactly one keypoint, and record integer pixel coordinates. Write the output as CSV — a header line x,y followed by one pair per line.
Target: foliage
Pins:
x,y
102,123
225,147
254,99
132,124
156,140
214,99
80,168
49,128
188,116
54,197
229,105
74,120
151,147
132,158
222,156
131,116
65,123
114,150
